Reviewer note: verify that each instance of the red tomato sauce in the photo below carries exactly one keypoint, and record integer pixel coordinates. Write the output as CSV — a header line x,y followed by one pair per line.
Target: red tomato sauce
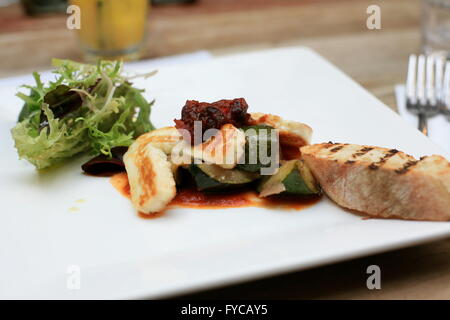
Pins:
x,y
190,197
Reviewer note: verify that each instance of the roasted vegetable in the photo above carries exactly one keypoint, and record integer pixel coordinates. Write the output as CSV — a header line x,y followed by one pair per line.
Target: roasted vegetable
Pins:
x,y
293,177
103,165
213,177
259,151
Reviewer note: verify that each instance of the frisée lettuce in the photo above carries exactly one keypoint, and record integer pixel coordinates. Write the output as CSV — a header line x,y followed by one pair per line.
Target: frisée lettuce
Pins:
x,y
87,108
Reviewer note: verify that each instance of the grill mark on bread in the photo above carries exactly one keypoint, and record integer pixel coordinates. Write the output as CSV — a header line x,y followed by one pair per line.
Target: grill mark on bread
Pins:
x,y
362,152
350,161
406,166
331,143
373,166
379,163
336,149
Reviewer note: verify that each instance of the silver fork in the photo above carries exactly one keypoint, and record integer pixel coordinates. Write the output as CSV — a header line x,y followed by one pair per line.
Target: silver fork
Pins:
x,y
445,96
424,87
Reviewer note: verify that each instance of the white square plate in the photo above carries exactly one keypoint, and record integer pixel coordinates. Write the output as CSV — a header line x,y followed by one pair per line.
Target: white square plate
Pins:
x,y
44,245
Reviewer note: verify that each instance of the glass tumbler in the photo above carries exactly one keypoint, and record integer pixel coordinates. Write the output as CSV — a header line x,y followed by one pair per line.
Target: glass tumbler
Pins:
x,y
436,26
112,29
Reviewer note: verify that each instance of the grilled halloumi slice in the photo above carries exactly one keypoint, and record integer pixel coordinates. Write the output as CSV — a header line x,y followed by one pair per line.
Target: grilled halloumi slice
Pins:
x,y
380,182
223,149
152,184
292,134
164,139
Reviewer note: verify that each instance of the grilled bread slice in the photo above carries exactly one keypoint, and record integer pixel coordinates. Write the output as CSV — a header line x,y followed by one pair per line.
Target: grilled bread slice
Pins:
x,y
382,182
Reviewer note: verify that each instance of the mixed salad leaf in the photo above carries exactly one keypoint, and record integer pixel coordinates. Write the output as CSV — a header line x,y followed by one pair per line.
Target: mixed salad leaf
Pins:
x,y
87,108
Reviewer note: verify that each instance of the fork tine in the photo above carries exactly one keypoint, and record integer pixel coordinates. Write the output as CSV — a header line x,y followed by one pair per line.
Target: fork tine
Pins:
x,y
430,81
446,85
424,80
421,95
411,79
439,76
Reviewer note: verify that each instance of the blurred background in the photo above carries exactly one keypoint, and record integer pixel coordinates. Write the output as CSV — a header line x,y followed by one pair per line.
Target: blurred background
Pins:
x,y
34,31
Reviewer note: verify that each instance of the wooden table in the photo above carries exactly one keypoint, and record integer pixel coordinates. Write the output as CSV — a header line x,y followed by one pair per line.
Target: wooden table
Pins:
x,y
334,28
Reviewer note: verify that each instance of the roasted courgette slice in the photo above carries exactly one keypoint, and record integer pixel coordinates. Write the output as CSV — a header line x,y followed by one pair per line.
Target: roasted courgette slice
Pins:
x,y
213,177
255,139
293,177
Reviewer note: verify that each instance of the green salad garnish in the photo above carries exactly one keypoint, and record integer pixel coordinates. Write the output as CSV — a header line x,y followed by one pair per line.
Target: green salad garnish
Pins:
x,y
87,108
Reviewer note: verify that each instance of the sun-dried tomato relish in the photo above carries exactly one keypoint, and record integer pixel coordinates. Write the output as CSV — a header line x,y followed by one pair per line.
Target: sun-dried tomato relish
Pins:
x,y
213,115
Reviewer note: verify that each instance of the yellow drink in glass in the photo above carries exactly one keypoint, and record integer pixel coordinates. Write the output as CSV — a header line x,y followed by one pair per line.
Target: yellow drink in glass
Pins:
x,y
112,29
